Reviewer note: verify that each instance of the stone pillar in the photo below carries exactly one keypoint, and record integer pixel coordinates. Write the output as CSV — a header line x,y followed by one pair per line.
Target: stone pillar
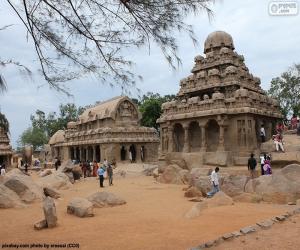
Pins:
x,y
203,137
80,154
221,146
186,145
170,138
94,153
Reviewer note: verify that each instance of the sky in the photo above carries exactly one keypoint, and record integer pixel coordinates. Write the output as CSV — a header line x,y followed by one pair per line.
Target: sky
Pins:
x,y
270,44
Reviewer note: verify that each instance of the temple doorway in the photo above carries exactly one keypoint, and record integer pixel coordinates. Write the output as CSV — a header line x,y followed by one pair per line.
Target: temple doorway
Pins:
x,y
132,151
195,136
212,135
123,153
98,154
178,137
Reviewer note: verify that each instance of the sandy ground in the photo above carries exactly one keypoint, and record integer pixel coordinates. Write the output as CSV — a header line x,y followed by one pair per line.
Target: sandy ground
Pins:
x,y
151,219
281,236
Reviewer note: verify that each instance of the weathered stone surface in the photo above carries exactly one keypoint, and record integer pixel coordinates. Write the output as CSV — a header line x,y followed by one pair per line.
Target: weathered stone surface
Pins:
x,y
298,202
45,172
280,218
265,224
234,185
227,236
70,175
247,230
219,199
80,207
237,234
281,187
66,166
24,187
203,184
148,171
171,175
105,199
248,197
51,192
50,212
155,173
9,198
77,172
40,225
192,192
57,180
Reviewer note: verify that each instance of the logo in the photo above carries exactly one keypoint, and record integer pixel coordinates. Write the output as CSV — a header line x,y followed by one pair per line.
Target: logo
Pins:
x,y
283,8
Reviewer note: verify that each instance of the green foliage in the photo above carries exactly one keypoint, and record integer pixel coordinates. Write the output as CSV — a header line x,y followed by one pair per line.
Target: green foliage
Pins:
x,y
4,123
150,107
286,89
33,136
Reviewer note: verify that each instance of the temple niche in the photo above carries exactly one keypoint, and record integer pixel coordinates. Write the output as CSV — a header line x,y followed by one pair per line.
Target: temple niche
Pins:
x,y
109,130
218,111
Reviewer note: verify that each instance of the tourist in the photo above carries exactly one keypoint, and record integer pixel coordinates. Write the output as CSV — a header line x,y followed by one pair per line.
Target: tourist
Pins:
x,y
262,133
252,165
110,174
57,163
262,162
279,128
130,156
95,168
2,171
278,141
105,162
84,169
294,122
101,172
214,178
267,166
26,167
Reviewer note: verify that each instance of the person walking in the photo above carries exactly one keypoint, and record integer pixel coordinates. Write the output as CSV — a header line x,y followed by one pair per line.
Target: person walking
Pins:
x,y
110,174
214,178
101,172
262,134
252,165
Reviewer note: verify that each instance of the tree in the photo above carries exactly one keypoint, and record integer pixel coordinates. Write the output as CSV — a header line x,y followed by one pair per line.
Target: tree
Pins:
x,y
286,89
150,107
34,137
77,37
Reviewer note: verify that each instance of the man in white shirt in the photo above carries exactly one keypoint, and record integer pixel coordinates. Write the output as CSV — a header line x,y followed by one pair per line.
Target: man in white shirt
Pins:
x,y
214,178
262,133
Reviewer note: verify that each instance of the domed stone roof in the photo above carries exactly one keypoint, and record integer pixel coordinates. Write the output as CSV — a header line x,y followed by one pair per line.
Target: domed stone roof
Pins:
x,y
58,137
218,39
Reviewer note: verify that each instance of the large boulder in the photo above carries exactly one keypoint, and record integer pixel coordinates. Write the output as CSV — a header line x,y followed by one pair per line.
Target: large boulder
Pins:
x,y
57,180
234,185
23,186
45,172
248,198
172,175
9,198
50,212
66,166
203,184
148,171
176,159
192,192
77,172
70,176
80,207
219,199
48,191
105,199
281,187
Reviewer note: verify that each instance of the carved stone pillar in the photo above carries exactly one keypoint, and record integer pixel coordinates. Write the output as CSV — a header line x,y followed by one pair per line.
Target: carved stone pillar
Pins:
x,y
80,154
186,145
203,137
94,153
221,146
170,137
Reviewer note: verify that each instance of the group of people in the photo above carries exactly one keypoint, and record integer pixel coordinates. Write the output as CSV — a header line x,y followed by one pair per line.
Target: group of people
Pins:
x,y
92,169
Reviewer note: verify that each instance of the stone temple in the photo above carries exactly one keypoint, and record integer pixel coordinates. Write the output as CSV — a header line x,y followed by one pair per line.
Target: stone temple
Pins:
x,y
108,130
218,111
5,148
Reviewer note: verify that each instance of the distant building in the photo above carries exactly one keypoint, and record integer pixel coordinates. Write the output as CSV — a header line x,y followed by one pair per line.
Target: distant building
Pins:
x,y
5,148
110,130
219,109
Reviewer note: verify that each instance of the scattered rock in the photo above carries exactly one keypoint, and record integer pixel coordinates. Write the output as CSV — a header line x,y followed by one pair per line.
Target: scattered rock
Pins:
x,y
9,198
56,180
265,224
237,234
105,199
51,192
247,230
40,225
280,218
80,207
171,175
149,170
77,172
197,199
234,185
50,212
192,192
70,176
45,172
227,236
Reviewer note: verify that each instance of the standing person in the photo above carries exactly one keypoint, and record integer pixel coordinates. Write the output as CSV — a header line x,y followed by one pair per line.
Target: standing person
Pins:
x,y
278,142
3,171
262,162
57,164
101,172
252,165
95,168
130,155
262,134
214,178
110,174
267,166
26,167
105,162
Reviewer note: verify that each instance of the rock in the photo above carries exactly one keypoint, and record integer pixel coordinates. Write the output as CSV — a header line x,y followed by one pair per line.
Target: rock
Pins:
x,y
298,202
227,236
248,197
45,172
77,172
50,212
192,192
51,192
9,198
265,224
176,159
155,173
195,174
149,170
70,176
236,234
24,187
57,180
197,199
234,185
209,243
80,207
66,166
171,175
293,203
247,230
203,184
40,225
105,199
280,218
219,199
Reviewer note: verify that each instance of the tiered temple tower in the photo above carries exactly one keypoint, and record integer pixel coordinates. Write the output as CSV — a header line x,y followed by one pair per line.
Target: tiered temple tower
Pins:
x,y
220,108
5,148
